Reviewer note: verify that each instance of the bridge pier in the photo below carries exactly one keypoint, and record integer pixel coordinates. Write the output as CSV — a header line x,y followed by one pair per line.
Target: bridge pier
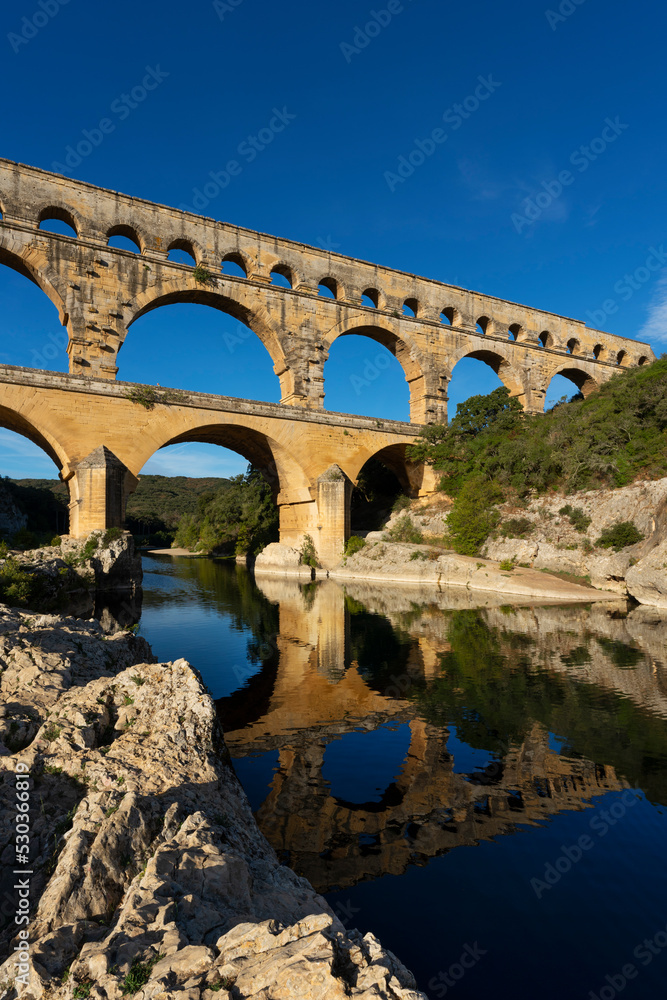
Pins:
x,y
99,488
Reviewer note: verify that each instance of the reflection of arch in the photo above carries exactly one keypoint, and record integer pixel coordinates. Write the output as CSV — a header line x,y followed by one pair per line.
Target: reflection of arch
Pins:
x,y
583,381
173,292
497,361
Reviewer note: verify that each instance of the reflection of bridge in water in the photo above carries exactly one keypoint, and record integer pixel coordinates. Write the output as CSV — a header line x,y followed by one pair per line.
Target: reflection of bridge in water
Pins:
x,y
322,690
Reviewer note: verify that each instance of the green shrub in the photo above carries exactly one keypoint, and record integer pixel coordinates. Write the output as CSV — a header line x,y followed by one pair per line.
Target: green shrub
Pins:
x,y
111,535
405,531
473,516
56,541
418,554
516,527
89,549
506,565
619,536
354,544
4,550
24,539
138,976
576,516
308,552
402,502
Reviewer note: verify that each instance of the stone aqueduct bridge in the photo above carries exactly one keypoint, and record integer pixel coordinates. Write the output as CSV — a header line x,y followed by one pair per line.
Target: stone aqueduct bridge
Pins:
x,y
100,291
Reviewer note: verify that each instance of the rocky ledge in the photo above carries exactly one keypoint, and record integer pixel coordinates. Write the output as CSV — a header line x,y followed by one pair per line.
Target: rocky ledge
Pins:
x,y
148,874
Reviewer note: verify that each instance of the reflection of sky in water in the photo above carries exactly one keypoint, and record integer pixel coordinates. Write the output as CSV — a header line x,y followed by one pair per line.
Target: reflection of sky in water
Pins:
x,y
426,905
360,766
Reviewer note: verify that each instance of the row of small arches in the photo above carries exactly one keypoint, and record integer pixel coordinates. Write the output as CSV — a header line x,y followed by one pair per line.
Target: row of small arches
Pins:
x,y
61,221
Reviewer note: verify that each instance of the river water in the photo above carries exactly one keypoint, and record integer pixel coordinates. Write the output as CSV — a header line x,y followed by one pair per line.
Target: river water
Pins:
x,y
483,786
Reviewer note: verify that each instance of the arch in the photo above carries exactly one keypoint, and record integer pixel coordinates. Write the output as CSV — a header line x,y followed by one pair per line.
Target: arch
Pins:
x,y
371,298
393,457
281,471
404,349
584,382
284,272
451,316
573,346
498,363
514,331
37,269
127,233
546,339
237,265
643,360
411,308
181,248
621,357
37,432
484,325
328,288
59,214
597,351
255,318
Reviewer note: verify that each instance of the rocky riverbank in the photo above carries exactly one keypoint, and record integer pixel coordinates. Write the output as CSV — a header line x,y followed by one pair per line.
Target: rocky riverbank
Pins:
x,y
148,874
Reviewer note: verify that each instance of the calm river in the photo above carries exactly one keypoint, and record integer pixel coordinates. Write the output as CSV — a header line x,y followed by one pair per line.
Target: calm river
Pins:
x,y
483,787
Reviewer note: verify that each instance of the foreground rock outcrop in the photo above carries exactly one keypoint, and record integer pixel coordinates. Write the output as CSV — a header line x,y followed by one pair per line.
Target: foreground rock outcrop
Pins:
x,y
150,875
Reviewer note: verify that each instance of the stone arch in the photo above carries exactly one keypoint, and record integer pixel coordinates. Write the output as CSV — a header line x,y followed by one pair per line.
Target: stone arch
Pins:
x,y
287,272
409,474
282,471
583,380
129,232
332,285
33,265
403,348
187,246
37,431
63,214
495,358
241,259
255,317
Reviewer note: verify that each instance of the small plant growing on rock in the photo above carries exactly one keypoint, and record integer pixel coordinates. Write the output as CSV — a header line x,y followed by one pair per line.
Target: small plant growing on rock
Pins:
x,y
576,516
82,989
517,527
507,565
406,531
619,536
354,544
56,542
418,554
402,502
147,396
52,732
111,535
138,976
308,553
202,276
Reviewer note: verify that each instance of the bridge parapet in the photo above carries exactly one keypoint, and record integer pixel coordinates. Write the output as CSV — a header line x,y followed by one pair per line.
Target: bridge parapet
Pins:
x,y
100,291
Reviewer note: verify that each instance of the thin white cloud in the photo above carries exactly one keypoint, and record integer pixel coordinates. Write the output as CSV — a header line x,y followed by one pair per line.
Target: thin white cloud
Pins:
x,y
655,327
195,462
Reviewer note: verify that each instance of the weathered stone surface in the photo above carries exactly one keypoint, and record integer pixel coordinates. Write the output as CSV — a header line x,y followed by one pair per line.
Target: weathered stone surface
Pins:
x,y
157,857
554,543
393,562
11,518
647,579
282,560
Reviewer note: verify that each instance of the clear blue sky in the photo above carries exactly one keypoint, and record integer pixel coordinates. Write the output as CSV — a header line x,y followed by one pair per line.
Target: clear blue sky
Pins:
x,y
461,217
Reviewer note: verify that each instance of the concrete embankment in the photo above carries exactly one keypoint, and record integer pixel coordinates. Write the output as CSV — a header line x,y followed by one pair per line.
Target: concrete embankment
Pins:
x,y
148,874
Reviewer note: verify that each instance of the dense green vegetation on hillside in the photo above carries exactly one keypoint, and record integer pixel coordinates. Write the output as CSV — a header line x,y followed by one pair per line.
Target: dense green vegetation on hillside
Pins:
x,y
492,451
613,437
